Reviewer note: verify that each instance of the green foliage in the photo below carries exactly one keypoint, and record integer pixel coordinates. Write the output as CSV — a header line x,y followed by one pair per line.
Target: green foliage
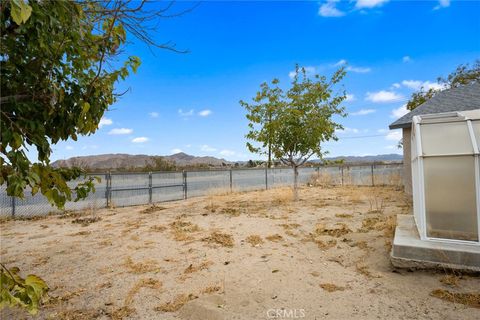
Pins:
x,y
55,85
17,291
293,124
462,75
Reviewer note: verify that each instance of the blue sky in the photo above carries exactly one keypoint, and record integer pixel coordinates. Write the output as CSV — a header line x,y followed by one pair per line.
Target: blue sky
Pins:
x,y
189,102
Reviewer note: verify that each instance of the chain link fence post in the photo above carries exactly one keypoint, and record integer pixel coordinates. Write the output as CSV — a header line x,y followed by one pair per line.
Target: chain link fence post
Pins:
x,y
150,191
373,179
184,175
231,181
266,178
13,207
108,189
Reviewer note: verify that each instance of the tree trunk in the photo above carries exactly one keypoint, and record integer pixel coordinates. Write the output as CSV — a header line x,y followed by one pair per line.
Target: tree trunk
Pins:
x,y
295,183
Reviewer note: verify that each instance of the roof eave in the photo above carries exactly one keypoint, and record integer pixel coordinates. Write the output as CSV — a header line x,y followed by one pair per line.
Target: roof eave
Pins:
x,y
400,126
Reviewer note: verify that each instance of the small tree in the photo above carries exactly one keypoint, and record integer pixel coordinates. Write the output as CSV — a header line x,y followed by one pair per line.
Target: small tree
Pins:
x,y
462,75
301,120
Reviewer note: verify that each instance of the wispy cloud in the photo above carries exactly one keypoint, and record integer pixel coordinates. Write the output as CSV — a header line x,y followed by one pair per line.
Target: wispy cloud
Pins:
x,y
183,113
309,71
105,122
140,140
394,135
442,4
153,114
207,148
399,112
69,148
362,112
347,130
205,113
406,59
329,10
119,131
417,85
383,96
369,4
352,68
227,153
350,97
176,150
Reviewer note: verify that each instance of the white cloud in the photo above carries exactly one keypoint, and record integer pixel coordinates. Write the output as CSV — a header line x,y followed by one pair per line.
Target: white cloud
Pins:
x,y
417,85
383,96
105,122
207,148
205,113
394,135
382,130
358,69
350,98
343,62
361,4
188,113
399,112
329,10
140,140
118,131
153,114
396,85
69,148
227,153
406,59
442,4
347,130
362,112
309,71
176,150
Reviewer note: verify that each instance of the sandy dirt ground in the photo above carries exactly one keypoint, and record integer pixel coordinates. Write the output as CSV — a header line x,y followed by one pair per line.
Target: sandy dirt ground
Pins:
x,y
255,255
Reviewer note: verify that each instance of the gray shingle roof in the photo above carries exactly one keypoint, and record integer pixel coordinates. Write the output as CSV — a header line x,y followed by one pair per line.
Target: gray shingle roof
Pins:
x,y
462,98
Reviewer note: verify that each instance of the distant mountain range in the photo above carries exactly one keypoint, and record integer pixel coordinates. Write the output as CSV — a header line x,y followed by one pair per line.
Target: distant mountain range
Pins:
x,y
136,161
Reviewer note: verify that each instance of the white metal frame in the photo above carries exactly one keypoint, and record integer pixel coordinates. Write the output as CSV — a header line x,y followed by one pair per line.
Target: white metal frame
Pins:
x,y
418,178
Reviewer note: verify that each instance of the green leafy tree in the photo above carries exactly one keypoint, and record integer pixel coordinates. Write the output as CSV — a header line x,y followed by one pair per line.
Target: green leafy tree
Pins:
x,y
59,64
462,75
301,120
260,115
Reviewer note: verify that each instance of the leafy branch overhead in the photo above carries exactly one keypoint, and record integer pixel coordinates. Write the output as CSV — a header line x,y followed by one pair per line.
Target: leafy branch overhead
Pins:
x,y
60,62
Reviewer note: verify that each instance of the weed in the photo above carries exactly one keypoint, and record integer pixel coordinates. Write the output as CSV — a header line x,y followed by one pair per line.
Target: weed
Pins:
x,y
143,283
153,208
223,239
274,238
468,299
254,240
178,302
330,287
141,267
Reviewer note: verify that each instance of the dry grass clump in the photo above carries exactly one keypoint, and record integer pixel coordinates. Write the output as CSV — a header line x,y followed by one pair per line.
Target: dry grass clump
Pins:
x,y
211,207
330,287
274,237
468,299
158,228
121,313
195,268
344,215
86,221
289,226
143,283
339,230
81,233
254,240
377,204
234,212
141,267
211,289
223,239
181,230
320,179
153,208
280,196
450,280
178,302
325,245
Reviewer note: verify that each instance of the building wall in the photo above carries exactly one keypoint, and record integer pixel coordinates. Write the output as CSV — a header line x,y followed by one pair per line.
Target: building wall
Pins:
x,y
407,160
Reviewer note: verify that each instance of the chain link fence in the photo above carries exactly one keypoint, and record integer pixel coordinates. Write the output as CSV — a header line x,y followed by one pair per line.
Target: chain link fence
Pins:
x,y
129,189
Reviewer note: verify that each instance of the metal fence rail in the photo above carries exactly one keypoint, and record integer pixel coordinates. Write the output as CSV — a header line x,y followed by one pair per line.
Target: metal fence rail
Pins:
x,y
128,189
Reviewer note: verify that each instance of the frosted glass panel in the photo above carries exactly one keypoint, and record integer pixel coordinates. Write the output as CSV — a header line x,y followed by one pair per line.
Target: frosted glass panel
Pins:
x,y
476,130
450,198
445,138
